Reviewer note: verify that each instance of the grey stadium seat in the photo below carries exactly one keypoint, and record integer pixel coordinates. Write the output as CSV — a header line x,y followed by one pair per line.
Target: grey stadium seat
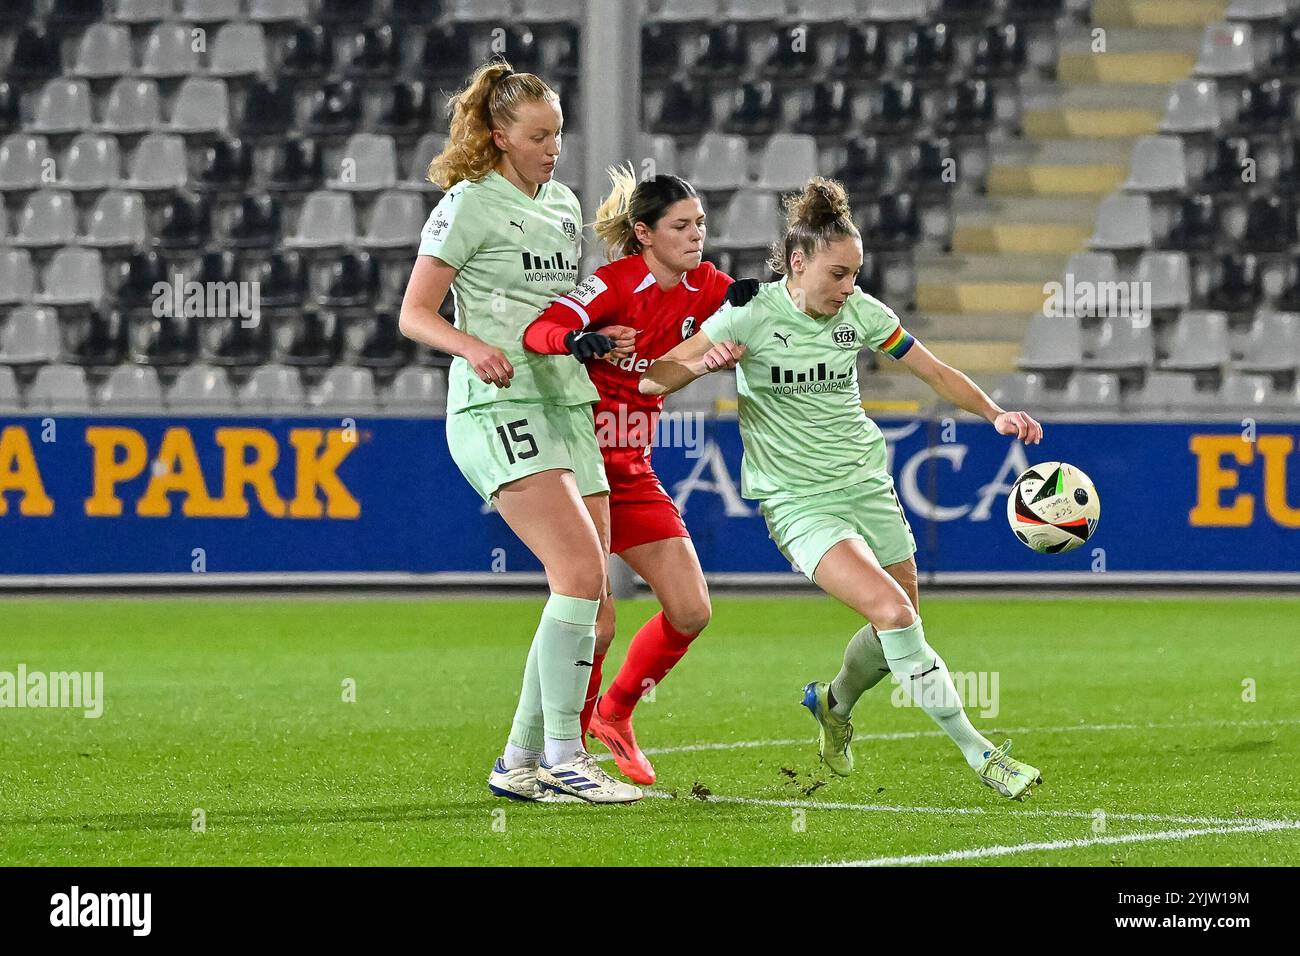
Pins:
x,y
202,106
471,11
1167,391
1052,343
23,160
9,397
660,150
1094,267
421,391
1272,344
345,390
1170,276
239,50
62,106
133,106
1199,341
277,11
688,11
825,11
395,221
273,388
896,11
117,221
60,388
789,160
201,387
158,164
721,162
94,162
551,11
327,220
1092,390
1123,222
17,276
1193,107
429,146
140,11
1022,390
1243,390
1158,164
104,51
49,218
209,11
169,52
1121,344
751,220
374,164
131,388
30,336
74,276
758,10
1226,50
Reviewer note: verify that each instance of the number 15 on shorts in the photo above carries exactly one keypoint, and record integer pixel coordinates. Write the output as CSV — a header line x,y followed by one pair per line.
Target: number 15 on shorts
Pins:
x,y
519,444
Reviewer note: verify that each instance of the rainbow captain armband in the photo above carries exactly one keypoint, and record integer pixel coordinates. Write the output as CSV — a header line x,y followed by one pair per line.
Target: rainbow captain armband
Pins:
x,y
898,343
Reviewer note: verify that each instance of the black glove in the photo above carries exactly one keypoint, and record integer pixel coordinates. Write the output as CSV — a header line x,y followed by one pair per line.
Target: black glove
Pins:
x,y
588,345
741,291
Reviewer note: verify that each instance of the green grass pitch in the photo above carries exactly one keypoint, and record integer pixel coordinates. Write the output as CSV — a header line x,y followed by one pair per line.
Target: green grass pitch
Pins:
x,y
1133,708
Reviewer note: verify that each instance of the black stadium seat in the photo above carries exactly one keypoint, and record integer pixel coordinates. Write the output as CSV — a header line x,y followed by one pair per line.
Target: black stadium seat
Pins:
x,y
307,52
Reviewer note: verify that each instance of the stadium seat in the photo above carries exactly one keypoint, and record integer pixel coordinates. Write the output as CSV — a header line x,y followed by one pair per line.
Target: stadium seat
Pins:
x,y
1226,51
235,342
375,53
928,51
138,276
787,162
59,388
685,110
1123,222
1193,107
255,223
395,221
1166,392
335,109
896,11
660,150
377,342
970,107
62,106
10,107
751,220
117,221
93,163
1170,278
23,162
788,55
1001,52
896,108
520,45
429,146
30,337
1199,341
350,281
169,52
823,109
216,266
1022,390
201,388
368,163
186,224
864,166
75,12
239,49
17,276
754,11
269,110
225,167
158,164
1264,106
1242,391
826,11
49,218
446,51
202,106
94,338
163,340
1157,165
312,338
10,400
720,162
307,52
721,51
140,12
1052,343
1226,165
1092,390
1092,267
74,277
688,11
281,279
133,106
327,221
406,110
1272,344
210,11
35,55
103,51
1195,224
1235,283
277,11
420,391
130,388
344,390
659,51
298,167
1121,343
1270,224
477,10
417,12
894,223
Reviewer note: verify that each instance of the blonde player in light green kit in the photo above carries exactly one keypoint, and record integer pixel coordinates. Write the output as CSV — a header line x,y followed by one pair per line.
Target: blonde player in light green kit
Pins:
x,y
817,464
505,238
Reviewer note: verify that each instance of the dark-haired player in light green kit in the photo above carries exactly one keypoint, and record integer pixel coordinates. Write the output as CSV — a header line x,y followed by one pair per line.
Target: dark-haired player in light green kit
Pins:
x,y
817,464
520,425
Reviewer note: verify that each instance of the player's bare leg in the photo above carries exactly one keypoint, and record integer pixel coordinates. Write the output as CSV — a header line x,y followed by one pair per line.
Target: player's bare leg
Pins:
x,y
672,569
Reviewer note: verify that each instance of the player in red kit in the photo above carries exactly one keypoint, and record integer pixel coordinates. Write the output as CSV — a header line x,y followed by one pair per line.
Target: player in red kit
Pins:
x,y
624,316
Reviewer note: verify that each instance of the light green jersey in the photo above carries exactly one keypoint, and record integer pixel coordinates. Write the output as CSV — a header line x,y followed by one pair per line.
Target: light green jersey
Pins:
x,y
514,256
801,416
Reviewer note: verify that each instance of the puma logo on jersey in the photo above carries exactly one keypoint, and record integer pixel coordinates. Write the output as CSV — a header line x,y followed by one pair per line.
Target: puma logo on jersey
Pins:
x,y
785,339
518,225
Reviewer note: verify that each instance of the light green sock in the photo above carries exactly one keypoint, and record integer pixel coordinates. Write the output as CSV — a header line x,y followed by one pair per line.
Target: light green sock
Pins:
x,y
566,640
526,732
864,667
926,680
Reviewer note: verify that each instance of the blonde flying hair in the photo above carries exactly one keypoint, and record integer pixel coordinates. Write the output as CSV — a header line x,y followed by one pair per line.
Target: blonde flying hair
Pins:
x,y
630,202
818,215
490,101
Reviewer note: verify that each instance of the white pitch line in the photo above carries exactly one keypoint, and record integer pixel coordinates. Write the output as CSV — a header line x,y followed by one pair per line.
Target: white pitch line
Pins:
x,y
983,852
914,734
981,811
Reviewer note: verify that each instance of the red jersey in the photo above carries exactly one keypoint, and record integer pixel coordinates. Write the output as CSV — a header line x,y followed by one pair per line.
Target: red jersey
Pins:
x,y
624,292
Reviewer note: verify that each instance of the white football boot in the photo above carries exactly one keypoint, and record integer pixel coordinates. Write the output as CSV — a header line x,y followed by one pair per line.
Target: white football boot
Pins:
x,y
583,778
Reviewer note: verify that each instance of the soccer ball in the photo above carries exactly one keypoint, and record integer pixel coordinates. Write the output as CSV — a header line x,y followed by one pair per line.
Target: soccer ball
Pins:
x,y
1053,508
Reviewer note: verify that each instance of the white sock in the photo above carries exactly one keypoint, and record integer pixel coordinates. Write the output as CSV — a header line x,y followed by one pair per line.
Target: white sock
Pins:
x,y
516,757
562,751
925,677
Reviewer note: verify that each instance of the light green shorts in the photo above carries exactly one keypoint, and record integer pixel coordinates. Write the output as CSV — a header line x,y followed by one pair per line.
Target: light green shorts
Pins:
x,y
505,441
806,528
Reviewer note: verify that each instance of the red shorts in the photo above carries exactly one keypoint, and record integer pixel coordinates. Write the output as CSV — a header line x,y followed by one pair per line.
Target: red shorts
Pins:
x,y
640,511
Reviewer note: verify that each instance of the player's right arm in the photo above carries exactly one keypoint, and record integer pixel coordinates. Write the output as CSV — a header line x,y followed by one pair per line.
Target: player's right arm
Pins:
x,y
419,320
593,306
684,364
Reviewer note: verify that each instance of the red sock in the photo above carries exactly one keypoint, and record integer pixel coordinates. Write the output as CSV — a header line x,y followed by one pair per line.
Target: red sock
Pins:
x,y
593,688
653,652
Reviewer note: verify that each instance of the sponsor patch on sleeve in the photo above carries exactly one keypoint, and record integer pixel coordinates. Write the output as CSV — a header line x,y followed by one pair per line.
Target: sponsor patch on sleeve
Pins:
x,y
591,287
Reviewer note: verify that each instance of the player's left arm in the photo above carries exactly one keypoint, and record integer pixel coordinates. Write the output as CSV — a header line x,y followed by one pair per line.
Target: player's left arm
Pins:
x,y
953,385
